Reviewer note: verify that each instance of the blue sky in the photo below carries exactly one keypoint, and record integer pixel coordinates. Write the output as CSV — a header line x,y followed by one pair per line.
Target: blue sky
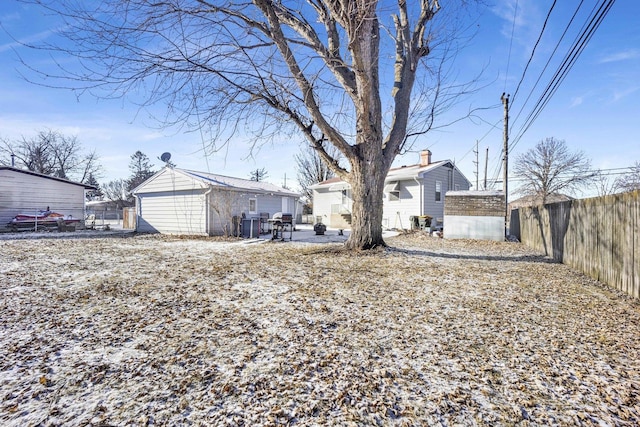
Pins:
x,y
595,110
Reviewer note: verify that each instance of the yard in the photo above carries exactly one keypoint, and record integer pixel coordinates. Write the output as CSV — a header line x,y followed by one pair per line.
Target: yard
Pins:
x,y
169,331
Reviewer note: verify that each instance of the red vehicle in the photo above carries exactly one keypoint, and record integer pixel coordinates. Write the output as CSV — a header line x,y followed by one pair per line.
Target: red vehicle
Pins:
x,y
41,219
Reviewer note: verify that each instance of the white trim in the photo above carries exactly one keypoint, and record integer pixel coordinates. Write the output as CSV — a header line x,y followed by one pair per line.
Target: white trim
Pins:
x,y
339,186
392,186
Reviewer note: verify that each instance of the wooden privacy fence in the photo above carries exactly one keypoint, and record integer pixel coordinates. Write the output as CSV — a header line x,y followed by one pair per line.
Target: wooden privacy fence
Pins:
x,y
598,236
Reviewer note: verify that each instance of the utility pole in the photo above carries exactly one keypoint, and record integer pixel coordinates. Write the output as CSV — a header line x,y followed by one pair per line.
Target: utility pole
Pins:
x,y
486,163
477,167
505,101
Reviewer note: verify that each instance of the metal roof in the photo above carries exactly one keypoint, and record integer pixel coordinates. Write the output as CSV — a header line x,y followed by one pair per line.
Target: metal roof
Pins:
x,y
237,183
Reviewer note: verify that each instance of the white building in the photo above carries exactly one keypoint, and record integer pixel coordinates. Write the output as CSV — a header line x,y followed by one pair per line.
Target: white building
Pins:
x,y
27,192
414,190
180,201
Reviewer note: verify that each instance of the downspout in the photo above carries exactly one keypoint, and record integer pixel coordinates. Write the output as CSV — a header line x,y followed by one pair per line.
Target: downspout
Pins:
x,y
295,211
207,204
138,212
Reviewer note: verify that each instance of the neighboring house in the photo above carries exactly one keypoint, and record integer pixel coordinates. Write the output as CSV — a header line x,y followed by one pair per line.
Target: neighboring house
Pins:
x,y
408,191
180,201
535,200
23,191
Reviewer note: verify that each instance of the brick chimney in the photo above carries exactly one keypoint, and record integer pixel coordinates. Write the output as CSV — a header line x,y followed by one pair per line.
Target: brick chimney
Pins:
x,y
425,158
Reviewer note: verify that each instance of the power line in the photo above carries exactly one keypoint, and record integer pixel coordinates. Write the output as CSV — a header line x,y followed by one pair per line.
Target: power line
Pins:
x,y
555,49
533,51
513,27
567,64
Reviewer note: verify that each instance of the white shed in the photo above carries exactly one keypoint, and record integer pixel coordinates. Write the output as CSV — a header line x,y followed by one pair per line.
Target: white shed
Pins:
x,y
181,201
27,192
476,215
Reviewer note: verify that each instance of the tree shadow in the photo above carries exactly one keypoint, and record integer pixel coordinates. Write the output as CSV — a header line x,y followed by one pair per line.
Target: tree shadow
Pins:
x,y
518,258
559,214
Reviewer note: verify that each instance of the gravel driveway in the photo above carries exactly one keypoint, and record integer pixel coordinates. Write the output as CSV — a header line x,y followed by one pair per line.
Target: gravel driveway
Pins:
x,y
153,330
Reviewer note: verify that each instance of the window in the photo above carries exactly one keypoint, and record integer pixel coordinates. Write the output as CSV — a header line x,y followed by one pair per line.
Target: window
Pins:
x,y
457,187
438,191
393,189
253,206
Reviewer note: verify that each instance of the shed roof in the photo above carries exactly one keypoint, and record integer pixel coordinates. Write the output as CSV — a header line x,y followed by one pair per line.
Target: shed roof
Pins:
x,y
232,183
41,175
476,193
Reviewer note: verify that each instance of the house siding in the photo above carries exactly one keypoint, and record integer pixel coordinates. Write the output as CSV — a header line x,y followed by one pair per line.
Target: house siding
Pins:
x,y
225,204
449,179
170,180
396,213
25,193
323,199
172,212
222,206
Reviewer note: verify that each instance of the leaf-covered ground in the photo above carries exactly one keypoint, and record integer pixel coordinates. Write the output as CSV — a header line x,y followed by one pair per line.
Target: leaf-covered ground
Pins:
x,y
166,331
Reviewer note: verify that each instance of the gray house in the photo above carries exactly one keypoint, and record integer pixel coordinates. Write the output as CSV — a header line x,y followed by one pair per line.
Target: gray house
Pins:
x,y
27,192
180,201
413,190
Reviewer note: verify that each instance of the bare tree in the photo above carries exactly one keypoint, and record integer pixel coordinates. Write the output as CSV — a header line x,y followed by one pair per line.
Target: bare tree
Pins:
x,y
631,180
224,204
549,168
605,185
51,153
311,169
34,154
117,191
364,76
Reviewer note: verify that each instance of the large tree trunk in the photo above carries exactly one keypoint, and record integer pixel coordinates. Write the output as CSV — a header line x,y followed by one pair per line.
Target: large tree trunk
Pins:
x,y
368,164
367,185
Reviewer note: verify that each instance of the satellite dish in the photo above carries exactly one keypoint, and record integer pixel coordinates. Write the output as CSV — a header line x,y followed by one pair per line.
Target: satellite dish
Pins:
x,y
165,157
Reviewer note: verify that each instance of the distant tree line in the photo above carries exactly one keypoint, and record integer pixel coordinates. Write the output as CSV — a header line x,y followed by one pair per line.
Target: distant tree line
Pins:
x,y
52,153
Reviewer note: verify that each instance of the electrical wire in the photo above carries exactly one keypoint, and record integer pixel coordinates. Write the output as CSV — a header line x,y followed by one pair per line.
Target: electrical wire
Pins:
x,y
555,49
568,63
533,51
513,27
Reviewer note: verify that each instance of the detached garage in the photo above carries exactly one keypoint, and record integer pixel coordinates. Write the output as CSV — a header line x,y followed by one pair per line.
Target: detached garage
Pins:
x,y
181,201
27,192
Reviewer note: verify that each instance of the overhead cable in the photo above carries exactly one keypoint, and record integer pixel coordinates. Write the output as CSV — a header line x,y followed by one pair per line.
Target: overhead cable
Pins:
x,y
562,71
